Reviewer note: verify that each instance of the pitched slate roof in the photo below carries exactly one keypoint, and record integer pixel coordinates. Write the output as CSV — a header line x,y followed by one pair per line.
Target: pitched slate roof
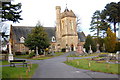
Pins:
x,y
23,31
67,13
81,36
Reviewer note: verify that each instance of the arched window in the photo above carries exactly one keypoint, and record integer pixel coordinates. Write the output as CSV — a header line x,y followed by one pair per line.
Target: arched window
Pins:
x,y
53,39
71,24
22,40
62,24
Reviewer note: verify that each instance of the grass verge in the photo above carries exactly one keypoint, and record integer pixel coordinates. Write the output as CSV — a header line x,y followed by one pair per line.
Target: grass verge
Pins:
x,y
22,56
4,63
48,56
94,66
18,72
40,57
93,54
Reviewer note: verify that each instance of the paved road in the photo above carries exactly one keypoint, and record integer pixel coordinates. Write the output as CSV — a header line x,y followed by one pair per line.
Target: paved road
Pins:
x,y
55,68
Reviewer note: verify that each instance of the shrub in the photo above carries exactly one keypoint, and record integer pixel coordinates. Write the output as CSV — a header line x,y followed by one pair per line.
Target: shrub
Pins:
x,y
31,55
90,41
4,52
23,53
117,47
110,41
27,52
17,53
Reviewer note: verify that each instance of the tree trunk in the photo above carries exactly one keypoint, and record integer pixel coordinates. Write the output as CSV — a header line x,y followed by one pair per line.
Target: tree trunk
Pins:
x,y
115,28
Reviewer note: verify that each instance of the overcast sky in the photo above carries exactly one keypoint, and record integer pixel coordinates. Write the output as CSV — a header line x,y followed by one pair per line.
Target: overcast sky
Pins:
x,y
44,11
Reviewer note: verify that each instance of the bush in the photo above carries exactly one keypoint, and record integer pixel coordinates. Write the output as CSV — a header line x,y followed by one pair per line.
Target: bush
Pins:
x,y
4,52
31,55
90,41
27,53
23,53
117,47
17,53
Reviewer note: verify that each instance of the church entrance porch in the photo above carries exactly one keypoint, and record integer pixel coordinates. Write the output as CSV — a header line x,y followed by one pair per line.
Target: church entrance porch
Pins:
x,y
72,47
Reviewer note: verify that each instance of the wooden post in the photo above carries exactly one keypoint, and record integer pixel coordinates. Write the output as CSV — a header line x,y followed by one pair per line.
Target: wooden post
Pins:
x,y
27,73
20,77
67,59
89,65
28,68
30,65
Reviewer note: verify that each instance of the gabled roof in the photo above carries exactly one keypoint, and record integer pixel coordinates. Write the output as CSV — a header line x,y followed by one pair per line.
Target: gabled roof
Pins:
x,y
23,31
81,36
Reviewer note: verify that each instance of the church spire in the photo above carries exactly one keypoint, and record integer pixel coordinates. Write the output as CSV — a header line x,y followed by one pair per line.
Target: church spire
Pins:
x,y
66,9
66,5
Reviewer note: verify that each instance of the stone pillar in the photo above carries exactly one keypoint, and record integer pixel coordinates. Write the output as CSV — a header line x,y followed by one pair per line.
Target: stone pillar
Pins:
x,y
69,48
98,51
90,51
10,56
103,47
37,51
44,53
58,33
74,48
80,49
84,50
30,51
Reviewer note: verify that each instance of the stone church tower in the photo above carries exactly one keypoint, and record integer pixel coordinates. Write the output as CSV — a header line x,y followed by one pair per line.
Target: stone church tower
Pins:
x,y
66,30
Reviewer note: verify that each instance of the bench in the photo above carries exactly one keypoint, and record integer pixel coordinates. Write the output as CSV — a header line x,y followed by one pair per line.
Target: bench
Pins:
x,y
13,62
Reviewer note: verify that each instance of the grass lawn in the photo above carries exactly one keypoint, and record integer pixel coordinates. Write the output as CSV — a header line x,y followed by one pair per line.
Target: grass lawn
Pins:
x,y
94,66
49,56
7,63
41,57
93,54
4,63
21,56
18,72
58,53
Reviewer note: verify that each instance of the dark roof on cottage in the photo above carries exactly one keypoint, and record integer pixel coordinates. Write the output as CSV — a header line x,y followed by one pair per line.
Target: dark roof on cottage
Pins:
x,y
81,36
50,31
23,31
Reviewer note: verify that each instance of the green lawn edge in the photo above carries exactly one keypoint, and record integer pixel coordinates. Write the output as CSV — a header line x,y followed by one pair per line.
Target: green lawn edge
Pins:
x,y
87,55
42,57
18,72
94,66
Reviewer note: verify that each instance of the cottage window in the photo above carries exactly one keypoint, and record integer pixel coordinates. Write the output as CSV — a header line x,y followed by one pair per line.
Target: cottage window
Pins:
x,y
22,40
53,39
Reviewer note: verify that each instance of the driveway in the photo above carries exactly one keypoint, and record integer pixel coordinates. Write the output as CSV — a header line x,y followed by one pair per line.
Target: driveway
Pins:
x,y
55,68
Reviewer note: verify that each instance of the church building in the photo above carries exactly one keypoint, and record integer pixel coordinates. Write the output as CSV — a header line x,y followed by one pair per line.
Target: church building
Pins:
x,y
66,29
63,36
